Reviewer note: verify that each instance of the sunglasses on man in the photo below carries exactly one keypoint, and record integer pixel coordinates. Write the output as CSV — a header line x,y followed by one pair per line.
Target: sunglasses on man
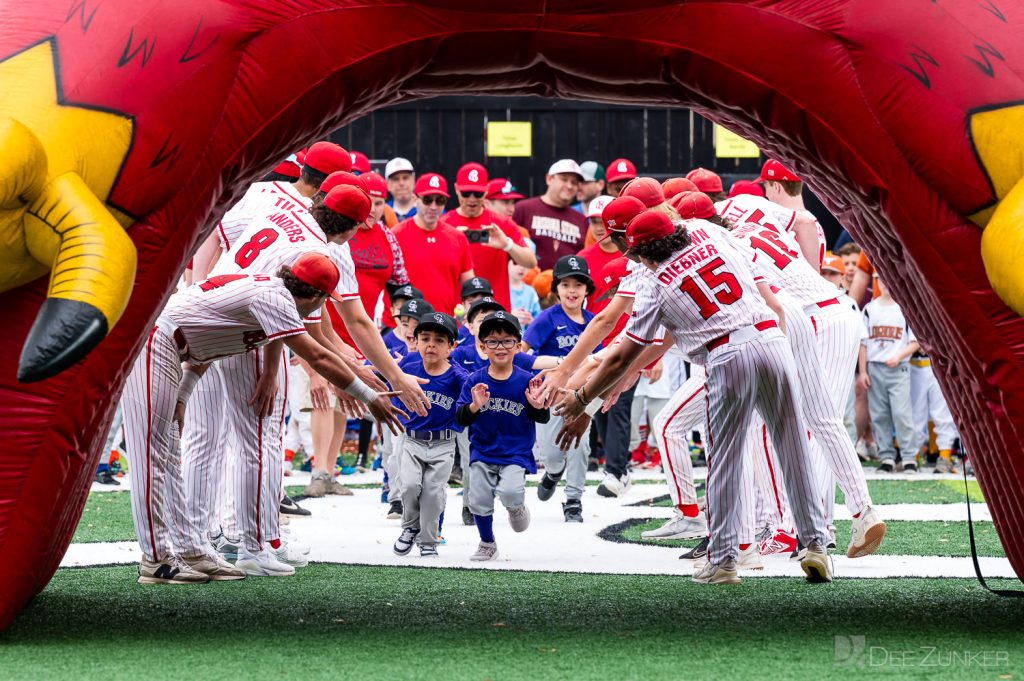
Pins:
x,y
433,200
471,195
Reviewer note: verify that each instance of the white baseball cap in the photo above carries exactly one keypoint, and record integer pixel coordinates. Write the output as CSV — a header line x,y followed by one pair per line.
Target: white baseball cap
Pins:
x,y
397,165
565,165
596,206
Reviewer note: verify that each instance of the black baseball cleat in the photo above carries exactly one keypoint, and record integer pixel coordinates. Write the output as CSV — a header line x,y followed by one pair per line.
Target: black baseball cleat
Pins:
x,y
106,478
572,509
289,507
698,551
546,488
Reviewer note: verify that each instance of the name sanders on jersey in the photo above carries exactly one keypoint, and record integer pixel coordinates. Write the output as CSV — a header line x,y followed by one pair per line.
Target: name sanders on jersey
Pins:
x,y
439,399
507,406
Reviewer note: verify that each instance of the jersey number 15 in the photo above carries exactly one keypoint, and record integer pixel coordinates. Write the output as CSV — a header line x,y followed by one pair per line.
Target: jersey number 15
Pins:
x,y
723,286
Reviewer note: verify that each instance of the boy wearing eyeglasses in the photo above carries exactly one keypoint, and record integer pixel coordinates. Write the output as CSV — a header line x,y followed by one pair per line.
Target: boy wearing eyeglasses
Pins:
x,y
555,332
438,254
503,409
428,446
494,239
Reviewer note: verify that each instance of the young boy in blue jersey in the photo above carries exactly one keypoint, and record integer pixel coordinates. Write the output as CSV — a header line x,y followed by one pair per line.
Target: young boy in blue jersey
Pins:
x,y
473,289
555,331
408,318
503,410
428,446
396,341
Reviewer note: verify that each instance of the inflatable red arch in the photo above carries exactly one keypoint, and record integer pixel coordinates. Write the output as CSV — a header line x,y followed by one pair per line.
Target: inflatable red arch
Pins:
x,y
908,130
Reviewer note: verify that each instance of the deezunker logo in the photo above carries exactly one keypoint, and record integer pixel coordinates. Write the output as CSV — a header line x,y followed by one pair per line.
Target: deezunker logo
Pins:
x,y
854,651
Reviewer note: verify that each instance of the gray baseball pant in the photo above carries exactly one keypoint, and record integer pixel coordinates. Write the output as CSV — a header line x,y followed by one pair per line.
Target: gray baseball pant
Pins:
x,y
462,440
508,481
891,409
572,463
425,469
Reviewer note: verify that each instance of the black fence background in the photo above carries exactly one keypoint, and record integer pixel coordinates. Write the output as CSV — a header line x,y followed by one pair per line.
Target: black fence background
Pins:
x,y
440,134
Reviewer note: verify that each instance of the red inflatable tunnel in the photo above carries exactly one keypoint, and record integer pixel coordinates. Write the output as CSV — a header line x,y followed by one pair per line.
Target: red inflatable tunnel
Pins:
x,y
908,129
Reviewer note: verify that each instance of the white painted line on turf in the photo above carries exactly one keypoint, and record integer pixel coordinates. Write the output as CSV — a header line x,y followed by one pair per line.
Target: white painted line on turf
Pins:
x,y
355,530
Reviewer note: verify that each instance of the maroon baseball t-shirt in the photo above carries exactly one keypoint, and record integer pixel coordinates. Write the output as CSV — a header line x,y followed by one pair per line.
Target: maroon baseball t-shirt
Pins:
x,y
556,231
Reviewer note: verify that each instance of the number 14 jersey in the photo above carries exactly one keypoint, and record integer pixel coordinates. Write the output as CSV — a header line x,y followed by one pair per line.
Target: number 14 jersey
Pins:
x,y
699,294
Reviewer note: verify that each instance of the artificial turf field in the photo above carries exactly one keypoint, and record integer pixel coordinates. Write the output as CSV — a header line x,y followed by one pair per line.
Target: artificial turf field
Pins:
x,y
370,622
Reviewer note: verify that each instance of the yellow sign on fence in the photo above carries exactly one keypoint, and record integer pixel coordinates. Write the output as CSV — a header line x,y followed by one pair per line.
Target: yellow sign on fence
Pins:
x,y
509,138
730,145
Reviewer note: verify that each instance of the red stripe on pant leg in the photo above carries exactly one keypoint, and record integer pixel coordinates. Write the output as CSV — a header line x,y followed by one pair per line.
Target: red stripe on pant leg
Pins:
x,y
259,466
149,440
664,437
771,470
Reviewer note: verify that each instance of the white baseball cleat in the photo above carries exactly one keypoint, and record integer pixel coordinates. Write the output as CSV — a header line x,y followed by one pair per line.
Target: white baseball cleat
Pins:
x,y
263,564
867,533
680,527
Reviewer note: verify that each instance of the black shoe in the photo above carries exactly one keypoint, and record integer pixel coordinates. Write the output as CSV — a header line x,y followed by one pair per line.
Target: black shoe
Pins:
x,y
886,466
573,511
467,516
698,551
455,477
910,468
361,462
797,551
546,488
105,478
395,511
289,507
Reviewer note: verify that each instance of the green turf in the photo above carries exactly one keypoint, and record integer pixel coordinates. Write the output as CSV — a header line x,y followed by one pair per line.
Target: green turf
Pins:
x,y
107,517
922,491
402,623
903,537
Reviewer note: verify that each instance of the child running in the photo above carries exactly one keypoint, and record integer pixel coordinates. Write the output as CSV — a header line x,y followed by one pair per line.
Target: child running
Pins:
x,y
503,408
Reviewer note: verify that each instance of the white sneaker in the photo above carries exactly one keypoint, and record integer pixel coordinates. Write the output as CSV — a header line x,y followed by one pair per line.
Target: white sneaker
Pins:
x,y
288,554
866,533
680,527
519,517
750,559
263,564
218,569
296,545
712,573
612,486
485,551
228,548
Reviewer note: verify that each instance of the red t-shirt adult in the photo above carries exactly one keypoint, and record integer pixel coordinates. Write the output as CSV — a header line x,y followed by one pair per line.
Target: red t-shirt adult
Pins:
x,y
596,260
556,231
375,264
435,261
490,263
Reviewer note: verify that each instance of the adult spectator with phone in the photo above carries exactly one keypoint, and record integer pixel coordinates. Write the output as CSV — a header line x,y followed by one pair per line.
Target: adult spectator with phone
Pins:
x,y
493,239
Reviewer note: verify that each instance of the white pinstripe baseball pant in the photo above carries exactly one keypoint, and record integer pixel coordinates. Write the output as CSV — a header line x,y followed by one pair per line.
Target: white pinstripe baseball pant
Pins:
x,y
683,414
162,524
203,451
755,370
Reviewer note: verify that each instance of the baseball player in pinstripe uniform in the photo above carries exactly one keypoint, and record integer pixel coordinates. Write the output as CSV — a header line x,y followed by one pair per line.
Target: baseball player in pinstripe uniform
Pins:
x,y
705,296
220,317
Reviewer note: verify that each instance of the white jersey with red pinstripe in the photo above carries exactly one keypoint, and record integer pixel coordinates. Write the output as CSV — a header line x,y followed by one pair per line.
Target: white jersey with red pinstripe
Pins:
x,y
706,297
745,208
777,257
233,313
258,199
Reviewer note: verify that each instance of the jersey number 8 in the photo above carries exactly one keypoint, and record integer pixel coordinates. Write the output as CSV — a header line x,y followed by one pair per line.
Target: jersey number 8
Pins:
x,y
250,249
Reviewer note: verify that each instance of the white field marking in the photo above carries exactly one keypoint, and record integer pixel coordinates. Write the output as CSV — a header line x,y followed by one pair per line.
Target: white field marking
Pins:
x,y
355,530
643,475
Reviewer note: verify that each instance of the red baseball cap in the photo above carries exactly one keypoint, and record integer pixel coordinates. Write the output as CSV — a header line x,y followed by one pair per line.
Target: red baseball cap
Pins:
x,y
691,205
649,226
319,271
327,158
647,189
674,185
375,185
472,177
289,167
500,188
360,163
706,181
431,183
352,202
612,275
746,187
339,178
620,211
300,155
775,171
620,169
